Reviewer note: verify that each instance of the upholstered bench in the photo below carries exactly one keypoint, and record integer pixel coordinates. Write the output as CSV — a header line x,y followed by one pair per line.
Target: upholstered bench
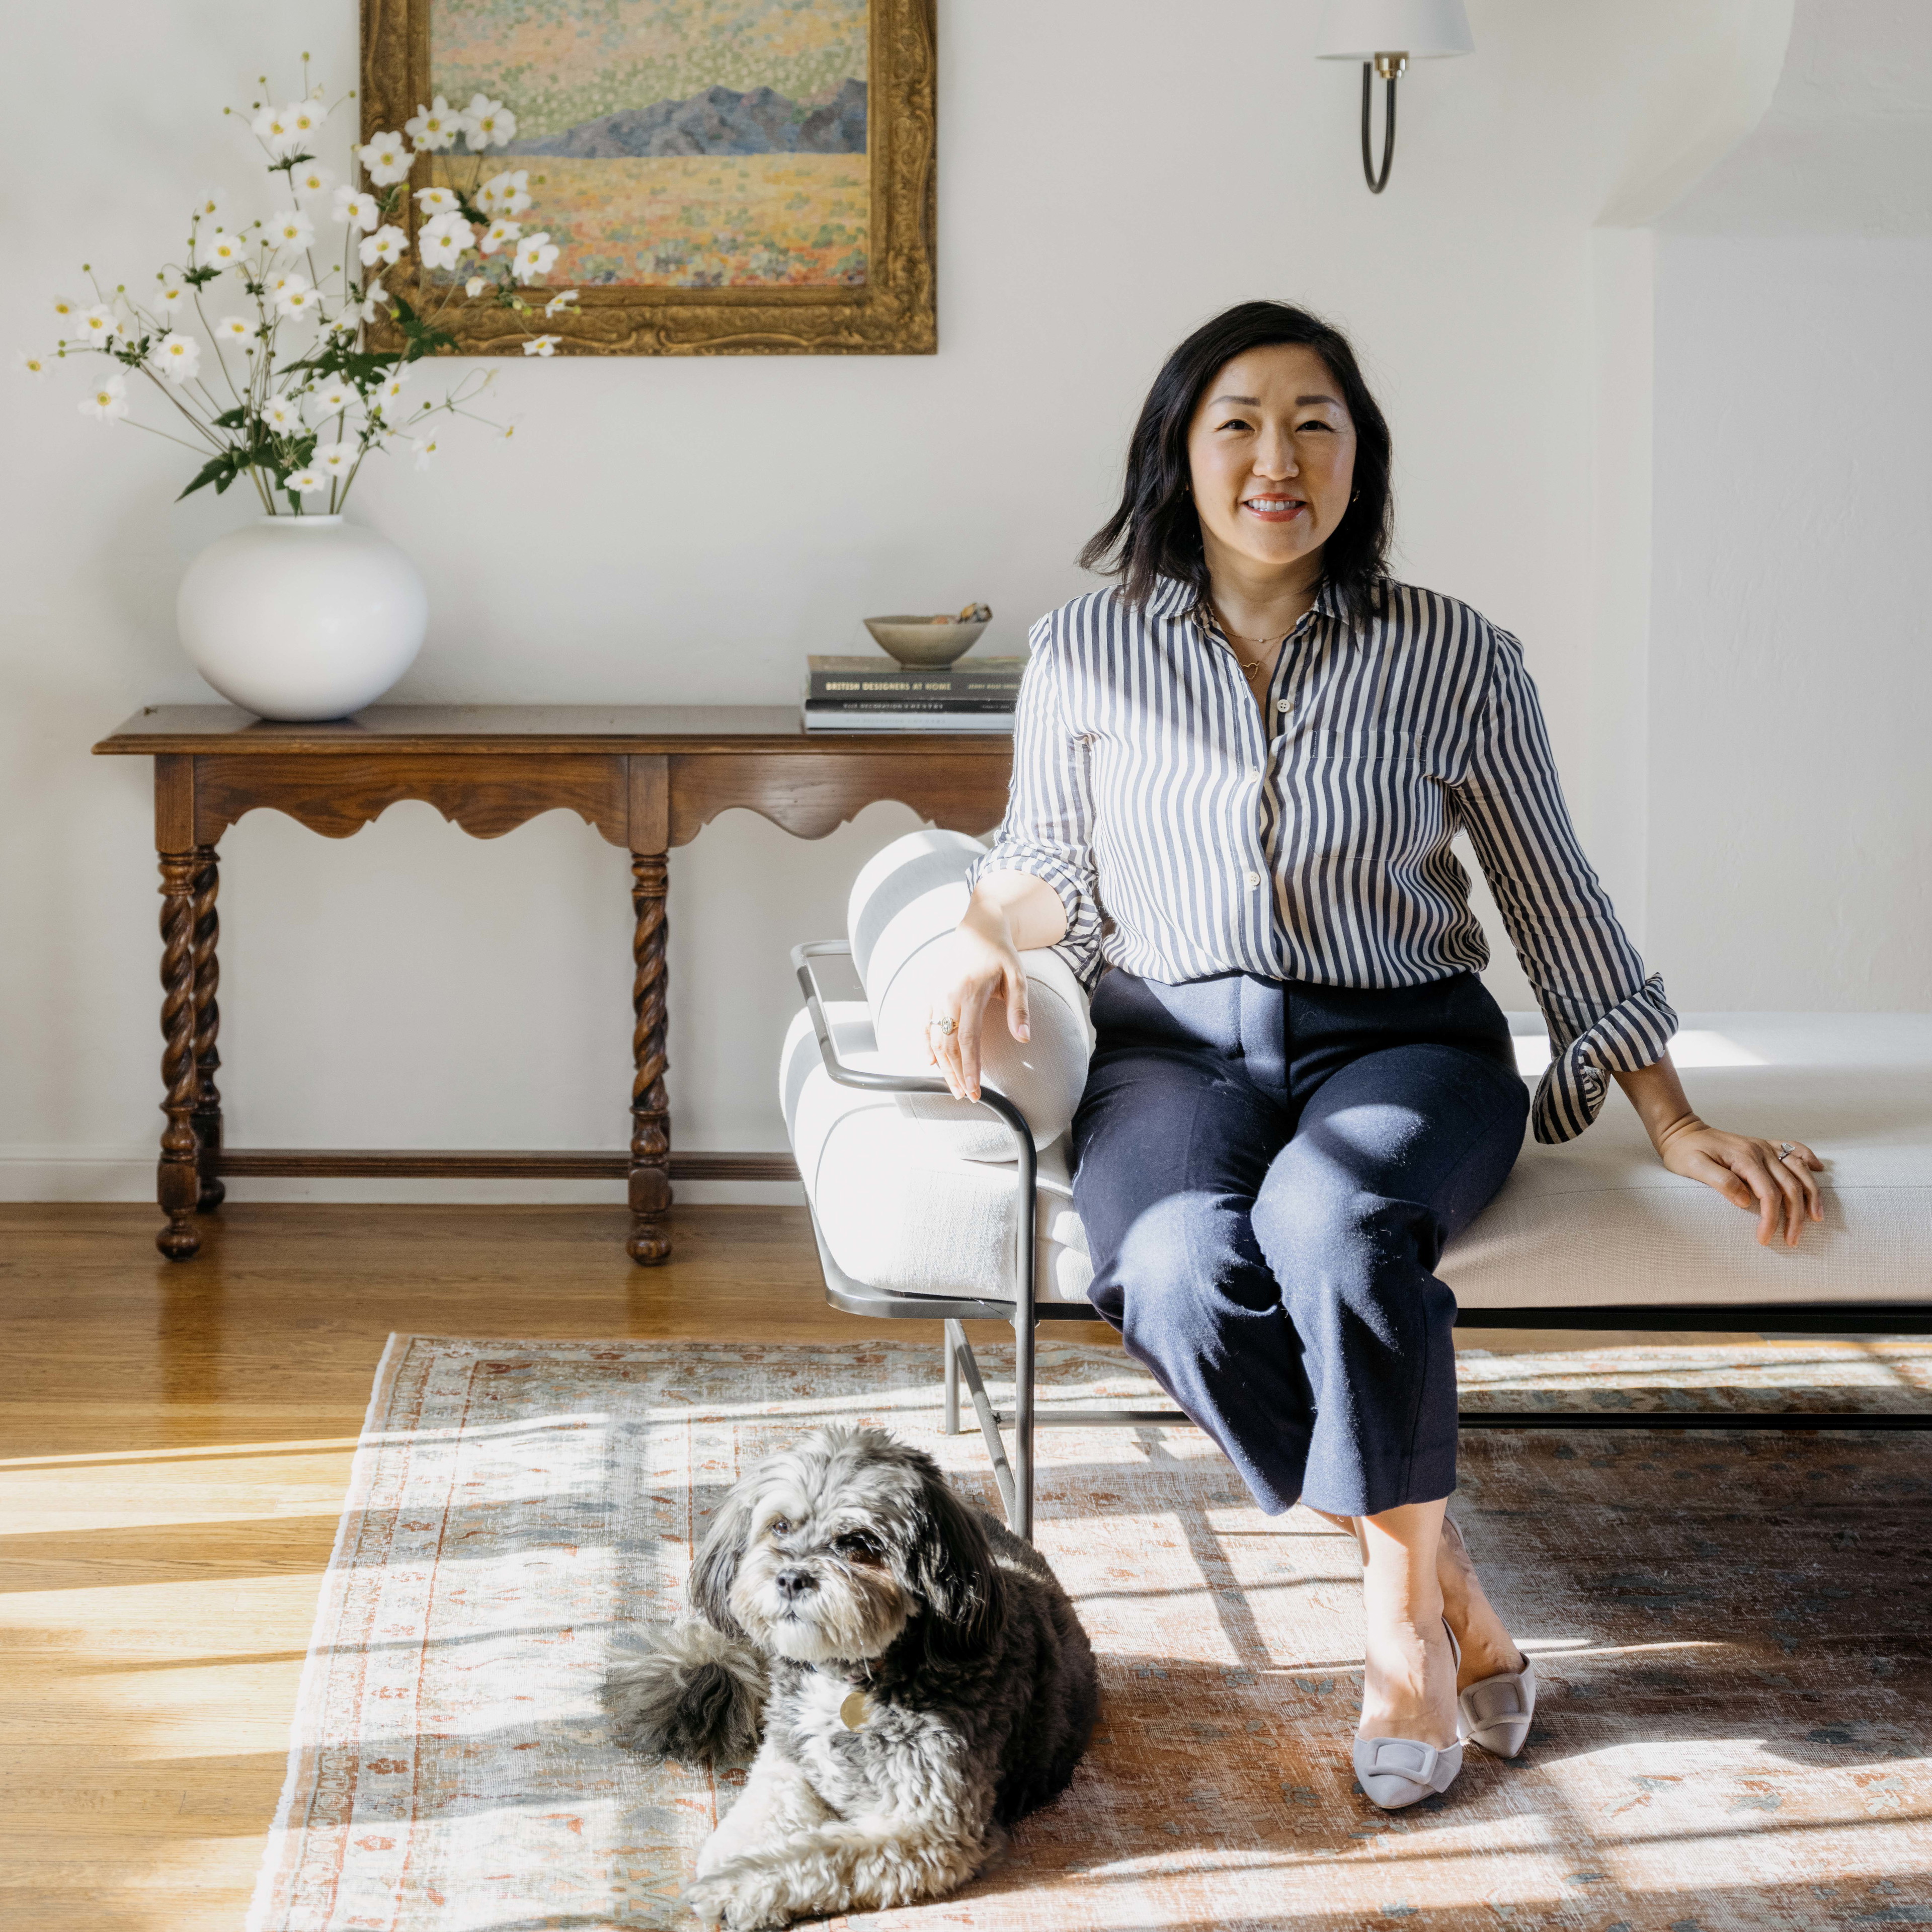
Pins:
x,y
927,1207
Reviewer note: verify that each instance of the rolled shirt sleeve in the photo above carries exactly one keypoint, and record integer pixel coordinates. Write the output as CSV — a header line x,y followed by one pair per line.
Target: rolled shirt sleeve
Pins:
x,y
1047,830
1604,1014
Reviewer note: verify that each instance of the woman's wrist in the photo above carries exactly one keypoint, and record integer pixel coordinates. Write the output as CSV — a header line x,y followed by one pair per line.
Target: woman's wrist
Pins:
x,y
988,920
1657,1094
1018,910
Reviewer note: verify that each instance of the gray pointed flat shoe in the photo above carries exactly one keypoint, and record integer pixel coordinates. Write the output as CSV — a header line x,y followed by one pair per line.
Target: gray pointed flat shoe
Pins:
x,y
1494,1711
1396,1771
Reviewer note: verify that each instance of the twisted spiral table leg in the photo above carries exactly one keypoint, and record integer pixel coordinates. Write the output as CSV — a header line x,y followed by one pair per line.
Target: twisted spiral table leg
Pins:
x,y
649,1240
207,1023
177,1180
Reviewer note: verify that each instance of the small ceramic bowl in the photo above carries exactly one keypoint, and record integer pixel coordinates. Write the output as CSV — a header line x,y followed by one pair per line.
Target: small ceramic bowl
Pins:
x,y
922,642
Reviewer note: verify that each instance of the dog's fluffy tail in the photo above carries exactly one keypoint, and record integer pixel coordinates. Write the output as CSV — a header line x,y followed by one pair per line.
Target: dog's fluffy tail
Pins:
x,y
699,1696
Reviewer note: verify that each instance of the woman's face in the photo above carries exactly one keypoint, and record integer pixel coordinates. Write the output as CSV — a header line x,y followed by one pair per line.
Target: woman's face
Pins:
x,y
1271,454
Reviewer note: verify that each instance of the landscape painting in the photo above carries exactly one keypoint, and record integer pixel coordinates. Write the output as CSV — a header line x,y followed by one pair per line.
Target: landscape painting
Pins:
x,y
748,177
680,143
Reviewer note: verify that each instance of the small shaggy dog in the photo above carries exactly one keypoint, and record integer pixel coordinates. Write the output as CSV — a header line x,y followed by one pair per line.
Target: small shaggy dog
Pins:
x,y
921,1678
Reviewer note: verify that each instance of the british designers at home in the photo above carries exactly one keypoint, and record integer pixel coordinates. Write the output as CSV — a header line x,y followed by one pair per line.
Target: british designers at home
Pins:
x,y
1308,839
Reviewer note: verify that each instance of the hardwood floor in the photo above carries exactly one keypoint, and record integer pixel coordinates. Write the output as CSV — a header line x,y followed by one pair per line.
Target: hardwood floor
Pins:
x,y
175,1443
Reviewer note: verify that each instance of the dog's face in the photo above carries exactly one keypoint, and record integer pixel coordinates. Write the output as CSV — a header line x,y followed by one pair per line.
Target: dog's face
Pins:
x,y
832,1548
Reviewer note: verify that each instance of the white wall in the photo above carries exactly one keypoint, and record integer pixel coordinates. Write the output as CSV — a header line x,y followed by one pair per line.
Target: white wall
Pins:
x,y
1791,658
1111,172
1790,794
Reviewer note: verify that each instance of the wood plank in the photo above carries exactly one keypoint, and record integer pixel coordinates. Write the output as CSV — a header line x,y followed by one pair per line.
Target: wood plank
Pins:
x,y
385,730
487,1164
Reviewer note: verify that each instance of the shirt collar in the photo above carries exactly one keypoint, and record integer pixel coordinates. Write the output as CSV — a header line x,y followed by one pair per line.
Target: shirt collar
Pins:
x,y
1173,597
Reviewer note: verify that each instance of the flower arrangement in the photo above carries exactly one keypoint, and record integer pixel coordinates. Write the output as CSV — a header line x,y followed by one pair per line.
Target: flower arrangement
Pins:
x,y
279,385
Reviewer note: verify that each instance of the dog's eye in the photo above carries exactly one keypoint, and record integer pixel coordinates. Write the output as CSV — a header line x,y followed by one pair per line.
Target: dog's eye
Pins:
x,y
860,1548
779,1526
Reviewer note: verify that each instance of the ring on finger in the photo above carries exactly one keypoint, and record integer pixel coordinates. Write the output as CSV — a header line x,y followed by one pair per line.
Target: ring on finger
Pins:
x,y
945,1023
1786,1150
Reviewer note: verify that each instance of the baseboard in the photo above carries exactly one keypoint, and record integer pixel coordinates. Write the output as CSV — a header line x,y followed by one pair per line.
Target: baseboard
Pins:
x,y
70,1173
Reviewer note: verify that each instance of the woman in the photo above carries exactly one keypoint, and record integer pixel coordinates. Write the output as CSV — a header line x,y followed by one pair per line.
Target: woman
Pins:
x,y
1237,774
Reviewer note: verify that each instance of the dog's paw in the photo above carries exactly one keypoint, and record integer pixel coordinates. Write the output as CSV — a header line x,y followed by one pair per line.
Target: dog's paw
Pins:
x,y
737,1900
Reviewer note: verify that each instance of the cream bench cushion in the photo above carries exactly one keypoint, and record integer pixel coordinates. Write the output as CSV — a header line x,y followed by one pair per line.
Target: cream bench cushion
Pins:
x,y
912,1198
1599,1219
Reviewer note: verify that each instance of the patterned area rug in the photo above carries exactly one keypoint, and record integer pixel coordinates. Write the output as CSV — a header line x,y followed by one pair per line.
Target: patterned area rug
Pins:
x,y
1731,1630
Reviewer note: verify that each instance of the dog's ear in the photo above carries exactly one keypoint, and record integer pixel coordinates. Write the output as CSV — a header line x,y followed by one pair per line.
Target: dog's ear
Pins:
x,y
715,1569
952,1566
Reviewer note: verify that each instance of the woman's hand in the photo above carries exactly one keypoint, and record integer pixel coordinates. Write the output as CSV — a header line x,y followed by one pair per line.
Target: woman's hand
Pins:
x,y
981,963
1754,1175
1749,1173
978,965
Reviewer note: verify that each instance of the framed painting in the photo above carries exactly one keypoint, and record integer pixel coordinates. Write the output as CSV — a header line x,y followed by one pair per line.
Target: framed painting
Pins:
x,y
719,176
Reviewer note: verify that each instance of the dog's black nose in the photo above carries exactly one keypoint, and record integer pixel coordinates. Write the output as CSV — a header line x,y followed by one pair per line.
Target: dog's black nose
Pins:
x,y
794,1582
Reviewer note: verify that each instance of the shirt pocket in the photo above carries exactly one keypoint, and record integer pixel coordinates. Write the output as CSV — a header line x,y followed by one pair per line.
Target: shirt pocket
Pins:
x,y
1367,789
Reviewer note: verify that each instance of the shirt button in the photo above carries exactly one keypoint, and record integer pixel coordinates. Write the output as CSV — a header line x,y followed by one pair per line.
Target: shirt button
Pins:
x,y
1254,878
1284,704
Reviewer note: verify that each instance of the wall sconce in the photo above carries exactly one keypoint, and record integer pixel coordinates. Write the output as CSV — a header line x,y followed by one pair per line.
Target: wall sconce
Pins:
x,y
1385,35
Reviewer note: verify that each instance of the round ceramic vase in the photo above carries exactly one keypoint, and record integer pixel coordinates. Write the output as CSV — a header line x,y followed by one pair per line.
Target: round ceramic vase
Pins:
x,y
301,618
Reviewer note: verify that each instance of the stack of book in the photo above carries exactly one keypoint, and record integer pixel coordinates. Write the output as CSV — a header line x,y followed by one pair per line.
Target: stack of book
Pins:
x,y
881,694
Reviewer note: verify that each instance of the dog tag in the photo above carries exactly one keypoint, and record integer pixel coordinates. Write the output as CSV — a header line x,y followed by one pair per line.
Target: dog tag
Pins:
x,y
856,1709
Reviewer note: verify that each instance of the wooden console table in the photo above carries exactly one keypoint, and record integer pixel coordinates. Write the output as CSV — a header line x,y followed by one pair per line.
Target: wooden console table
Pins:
x,y
646,777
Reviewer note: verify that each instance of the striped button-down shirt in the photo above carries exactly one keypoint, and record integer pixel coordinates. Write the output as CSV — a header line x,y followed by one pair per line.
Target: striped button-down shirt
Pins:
x,y
1189,832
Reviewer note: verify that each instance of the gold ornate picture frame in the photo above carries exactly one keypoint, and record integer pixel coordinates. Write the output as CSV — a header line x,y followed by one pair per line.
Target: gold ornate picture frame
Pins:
x,y
864,287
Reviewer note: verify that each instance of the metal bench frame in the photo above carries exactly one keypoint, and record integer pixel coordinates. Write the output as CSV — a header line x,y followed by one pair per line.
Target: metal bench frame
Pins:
x,y
1025,1311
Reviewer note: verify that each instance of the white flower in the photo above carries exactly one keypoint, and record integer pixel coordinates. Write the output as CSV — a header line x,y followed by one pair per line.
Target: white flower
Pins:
x,y
209,206
293,229
558,303
235,328
295,303
68,311
443,240
499,234
224,249
506,194
178,356
106,400
390,389
475,285
28,363
304,119
386,159
358,209
424,447
386,246
97,324
434,127
283,412
275,130
437,201
487,122
374,302
334,397
171,292
535,255
337,460
311,178
542,345
305,482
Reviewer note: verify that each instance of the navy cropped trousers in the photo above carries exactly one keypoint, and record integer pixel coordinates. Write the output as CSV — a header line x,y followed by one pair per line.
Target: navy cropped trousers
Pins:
x,y
1267,1172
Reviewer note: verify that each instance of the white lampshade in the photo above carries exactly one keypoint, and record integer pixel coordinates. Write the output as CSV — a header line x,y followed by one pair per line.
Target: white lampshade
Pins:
x,y
1358,30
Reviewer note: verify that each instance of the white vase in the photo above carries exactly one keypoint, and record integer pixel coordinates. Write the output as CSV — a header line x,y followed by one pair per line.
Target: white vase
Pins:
x,y
301,618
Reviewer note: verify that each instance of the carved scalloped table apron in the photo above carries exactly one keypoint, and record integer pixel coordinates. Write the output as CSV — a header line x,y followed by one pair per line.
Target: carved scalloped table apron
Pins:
x,y
647,777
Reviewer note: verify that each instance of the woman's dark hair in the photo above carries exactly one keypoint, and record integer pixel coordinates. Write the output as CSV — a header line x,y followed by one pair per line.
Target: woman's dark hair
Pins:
x,y
1156,532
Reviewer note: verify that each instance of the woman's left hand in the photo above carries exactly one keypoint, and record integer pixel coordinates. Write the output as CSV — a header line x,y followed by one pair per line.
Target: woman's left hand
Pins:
x,y
1750,1174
